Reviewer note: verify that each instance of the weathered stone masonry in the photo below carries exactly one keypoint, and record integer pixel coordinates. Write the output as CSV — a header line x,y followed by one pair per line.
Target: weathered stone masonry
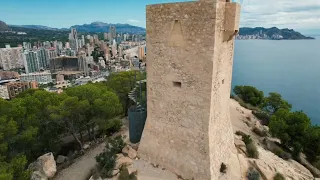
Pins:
x,y
190,57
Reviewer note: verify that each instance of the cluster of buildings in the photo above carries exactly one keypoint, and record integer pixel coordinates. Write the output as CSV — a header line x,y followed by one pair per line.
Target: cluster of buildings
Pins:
x,y
259,35
10,86
80,59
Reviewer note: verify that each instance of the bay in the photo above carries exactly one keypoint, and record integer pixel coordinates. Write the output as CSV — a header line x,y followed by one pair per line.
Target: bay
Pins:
x,y
289,67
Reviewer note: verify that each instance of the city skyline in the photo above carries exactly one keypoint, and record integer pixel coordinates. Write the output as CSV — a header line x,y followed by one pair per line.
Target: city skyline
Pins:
x,y
303,16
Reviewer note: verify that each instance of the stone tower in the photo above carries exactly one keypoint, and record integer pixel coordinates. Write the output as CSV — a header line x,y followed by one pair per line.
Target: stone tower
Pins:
x,y
190,57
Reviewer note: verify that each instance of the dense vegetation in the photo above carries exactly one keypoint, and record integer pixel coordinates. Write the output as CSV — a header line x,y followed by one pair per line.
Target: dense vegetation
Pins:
x,y
107,159
294,129
36,121
122,83
32,36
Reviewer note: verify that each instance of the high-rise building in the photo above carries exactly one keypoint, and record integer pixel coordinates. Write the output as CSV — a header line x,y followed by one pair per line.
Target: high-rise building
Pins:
x,y
105,36
120,51
125,37
96,39
31,62
114,48
73,39
141,52
112,31
67,45
40,77
52,53
11,58
82,40
26,45
43,58
91,40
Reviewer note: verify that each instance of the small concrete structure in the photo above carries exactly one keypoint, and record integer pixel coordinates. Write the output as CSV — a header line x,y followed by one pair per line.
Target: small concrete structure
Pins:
x,y
190,57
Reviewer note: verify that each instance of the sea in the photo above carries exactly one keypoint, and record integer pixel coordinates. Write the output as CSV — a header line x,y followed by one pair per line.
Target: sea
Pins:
x,y
289,67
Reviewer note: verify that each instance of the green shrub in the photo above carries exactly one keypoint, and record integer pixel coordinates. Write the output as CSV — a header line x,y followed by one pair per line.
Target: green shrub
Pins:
x,y
106,162
246,139
278,176
116,144
124,174
240,133
249,94
253,174
252,150
107,159
110,126
263,116
115,126
259,132
281,153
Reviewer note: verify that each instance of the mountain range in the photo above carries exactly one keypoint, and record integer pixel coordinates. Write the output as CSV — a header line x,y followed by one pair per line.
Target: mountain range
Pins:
x,y
94,27
98,27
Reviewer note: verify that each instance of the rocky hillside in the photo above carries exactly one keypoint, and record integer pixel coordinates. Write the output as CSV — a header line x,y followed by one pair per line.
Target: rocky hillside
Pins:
x,y
4,26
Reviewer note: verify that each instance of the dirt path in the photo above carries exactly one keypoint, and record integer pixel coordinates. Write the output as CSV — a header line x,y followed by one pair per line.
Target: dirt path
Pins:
x,y
81,168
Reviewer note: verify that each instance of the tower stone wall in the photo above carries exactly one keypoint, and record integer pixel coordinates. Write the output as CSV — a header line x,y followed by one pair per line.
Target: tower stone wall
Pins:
x,y
190,57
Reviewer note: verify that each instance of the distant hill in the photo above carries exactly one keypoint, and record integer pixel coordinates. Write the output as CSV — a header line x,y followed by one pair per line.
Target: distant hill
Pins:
x,y
104,27
289,34
94,27
39,27
4,26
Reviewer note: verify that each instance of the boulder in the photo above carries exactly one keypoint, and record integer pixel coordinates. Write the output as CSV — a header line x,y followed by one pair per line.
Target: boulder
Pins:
x,y
135,146
45,164
239,143
115,172
61,159
92,178
36,175
128,150
119,156
132,170
86,146
123,161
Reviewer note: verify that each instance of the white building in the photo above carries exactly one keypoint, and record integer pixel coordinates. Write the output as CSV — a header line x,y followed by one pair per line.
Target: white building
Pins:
x,y
40,77
114,48
4,93
11,58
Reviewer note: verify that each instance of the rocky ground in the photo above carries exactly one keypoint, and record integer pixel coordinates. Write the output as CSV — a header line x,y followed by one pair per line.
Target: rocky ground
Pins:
x,y
242,119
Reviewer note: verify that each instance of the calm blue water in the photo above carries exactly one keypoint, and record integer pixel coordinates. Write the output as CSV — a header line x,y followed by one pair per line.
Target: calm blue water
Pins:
x,y
291,68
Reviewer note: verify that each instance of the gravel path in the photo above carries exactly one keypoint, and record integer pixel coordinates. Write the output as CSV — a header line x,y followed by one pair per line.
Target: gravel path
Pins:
x,y
81,168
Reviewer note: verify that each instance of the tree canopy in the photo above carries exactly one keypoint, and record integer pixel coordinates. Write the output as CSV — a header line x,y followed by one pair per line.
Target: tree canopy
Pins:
x,y
34,122
122,83
274,102
249,94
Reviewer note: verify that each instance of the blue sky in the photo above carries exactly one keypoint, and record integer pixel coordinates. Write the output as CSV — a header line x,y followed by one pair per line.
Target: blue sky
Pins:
x,y
303,15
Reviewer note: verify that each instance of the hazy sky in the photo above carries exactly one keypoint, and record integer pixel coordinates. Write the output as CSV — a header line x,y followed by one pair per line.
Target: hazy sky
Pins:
x,y
302,15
